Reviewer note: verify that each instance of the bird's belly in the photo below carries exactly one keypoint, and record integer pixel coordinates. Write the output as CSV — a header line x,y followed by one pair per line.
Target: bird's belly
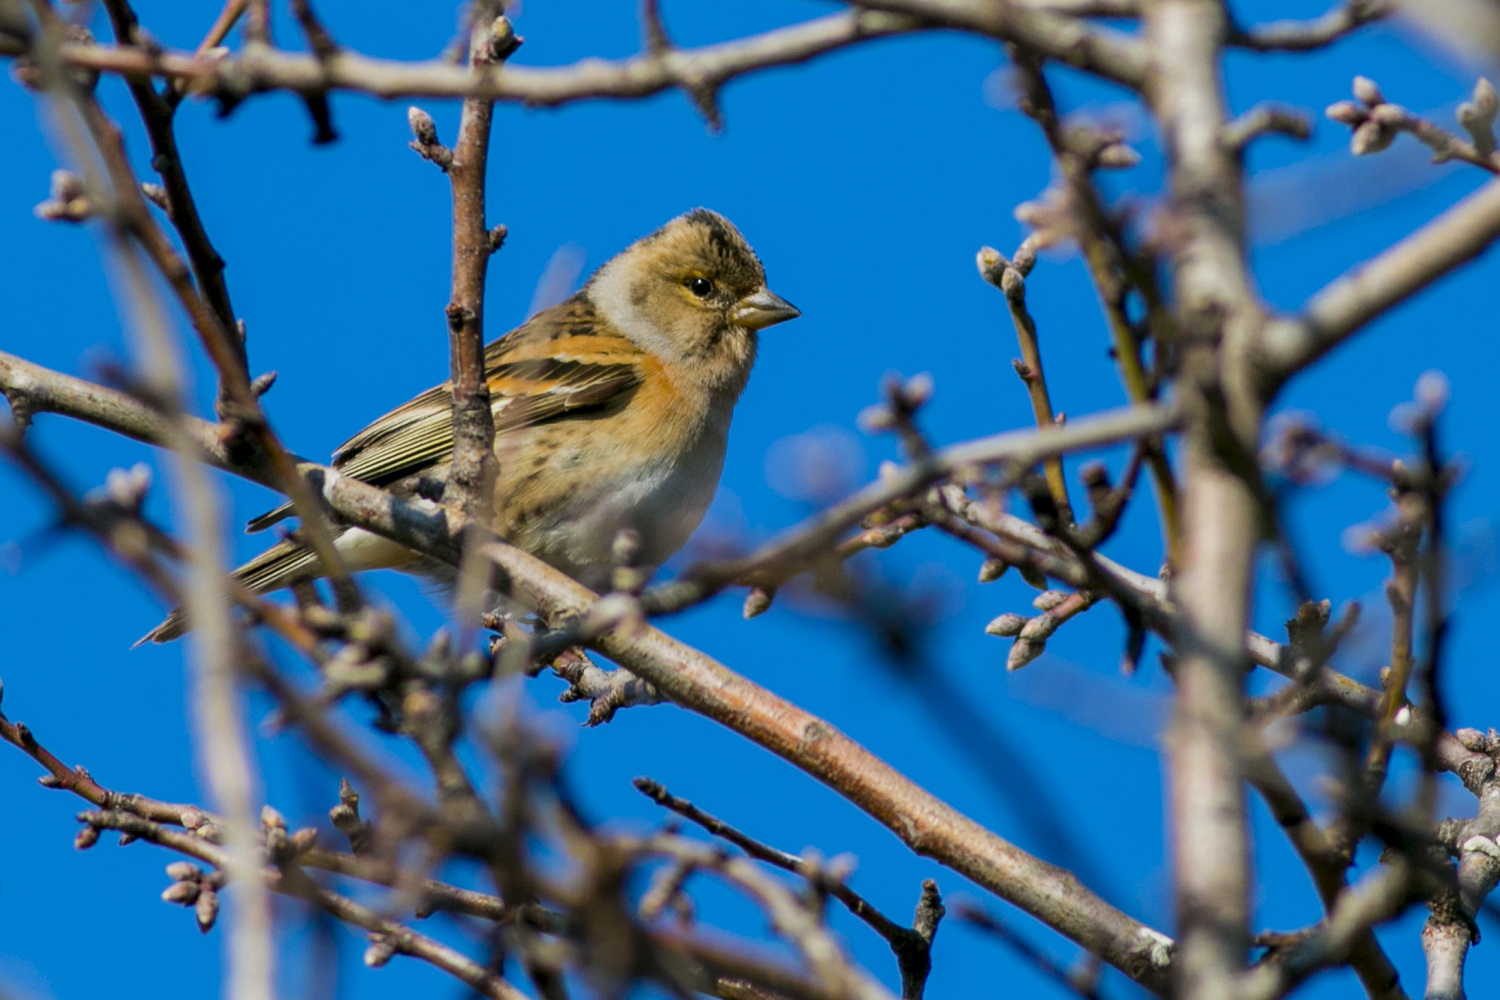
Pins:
x,y
663,501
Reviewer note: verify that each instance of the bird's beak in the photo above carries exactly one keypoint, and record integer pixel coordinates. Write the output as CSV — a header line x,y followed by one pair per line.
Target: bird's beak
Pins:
x,y
763,308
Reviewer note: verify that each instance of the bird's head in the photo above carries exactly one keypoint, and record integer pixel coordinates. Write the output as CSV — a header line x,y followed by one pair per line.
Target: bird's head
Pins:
x,y
692,292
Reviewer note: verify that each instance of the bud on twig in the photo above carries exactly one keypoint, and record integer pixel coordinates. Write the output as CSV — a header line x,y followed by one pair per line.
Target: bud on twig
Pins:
x,y
758,601
206,911
992,569
1368,91
1477,116
1346,113
1006,625
182,893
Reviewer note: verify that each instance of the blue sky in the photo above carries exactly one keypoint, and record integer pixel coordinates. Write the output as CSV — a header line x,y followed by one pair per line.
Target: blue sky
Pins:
x,y
866,181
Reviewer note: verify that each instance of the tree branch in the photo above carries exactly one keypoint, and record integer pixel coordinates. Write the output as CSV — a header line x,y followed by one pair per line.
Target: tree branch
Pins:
x,y
1351,301
1104,52
701,684
1218,316
249,72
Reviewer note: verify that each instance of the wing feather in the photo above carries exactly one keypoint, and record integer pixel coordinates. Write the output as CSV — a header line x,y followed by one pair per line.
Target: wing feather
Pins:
x,y
557,365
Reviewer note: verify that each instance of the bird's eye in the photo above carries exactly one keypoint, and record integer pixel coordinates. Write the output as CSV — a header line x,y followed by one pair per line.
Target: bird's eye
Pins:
x,y
700,287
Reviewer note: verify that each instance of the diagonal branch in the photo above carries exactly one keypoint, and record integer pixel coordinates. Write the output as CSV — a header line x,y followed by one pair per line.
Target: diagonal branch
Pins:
x,y
1345,306
911,945
701,684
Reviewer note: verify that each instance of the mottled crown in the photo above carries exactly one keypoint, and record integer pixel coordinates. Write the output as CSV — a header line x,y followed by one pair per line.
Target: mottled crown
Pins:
x,y
704,241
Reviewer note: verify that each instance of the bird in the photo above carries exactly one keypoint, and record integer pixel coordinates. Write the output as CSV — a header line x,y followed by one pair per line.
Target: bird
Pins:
x,y
611,411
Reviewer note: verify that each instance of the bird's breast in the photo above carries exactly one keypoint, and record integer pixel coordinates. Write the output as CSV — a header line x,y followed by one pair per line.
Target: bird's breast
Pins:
x,y
568,494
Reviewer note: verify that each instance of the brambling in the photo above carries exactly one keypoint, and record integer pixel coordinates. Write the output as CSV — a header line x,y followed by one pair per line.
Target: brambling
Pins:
x,y
611,411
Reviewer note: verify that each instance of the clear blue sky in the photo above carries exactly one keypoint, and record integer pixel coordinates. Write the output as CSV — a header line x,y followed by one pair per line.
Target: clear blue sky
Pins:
x,y
866,180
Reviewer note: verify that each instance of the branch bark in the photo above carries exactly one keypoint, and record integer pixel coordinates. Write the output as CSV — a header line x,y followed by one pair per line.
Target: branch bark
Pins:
x,y
1217,316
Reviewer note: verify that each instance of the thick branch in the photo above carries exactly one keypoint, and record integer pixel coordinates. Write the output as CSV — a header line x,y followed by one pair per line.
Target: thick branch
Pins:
x,y
697,682
1216,312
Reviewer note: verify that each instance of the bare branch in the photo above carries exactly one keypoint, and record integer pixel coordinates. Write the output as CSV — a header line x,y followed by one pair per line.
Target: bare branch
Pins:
x,y
912,945
1102,51
292,881
1327,866
640,76
1345,306
1219,317
1304,36
1101,239
1010,278
1374,900
790,554
1266,119
157,114
473,470
1374,123
703,685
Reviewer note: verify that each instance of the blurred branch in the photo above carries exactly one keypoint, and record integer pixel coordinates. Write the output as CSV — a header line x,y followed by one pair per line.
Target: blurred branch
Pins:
x,y
1079,983
1343,307
1219,318
1325,863
216,710
243,422
1378,897
792,552
1304,36
1107,53
157,112
701,684
1266,119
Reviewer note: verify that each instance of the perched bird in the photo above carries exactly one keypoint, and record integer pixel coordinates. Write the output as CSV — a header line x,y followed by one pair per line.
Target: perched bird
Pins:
x,y
611,410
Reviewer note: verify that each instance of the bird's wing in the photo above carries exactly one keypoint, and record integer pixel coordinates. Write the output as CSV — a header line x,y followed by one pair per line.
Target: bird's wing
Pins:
x,y
559,364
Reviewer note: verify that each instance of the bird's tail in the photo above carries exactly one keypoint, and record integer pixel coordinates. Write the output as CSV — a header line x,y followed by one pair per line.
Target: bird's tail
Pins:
x,y
283,564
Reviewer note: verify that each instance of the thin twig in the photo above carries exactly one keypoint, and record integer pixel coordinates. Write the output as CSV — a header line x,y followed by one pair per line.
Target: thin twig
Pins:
x,y
1010,278
911,945
1105,252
